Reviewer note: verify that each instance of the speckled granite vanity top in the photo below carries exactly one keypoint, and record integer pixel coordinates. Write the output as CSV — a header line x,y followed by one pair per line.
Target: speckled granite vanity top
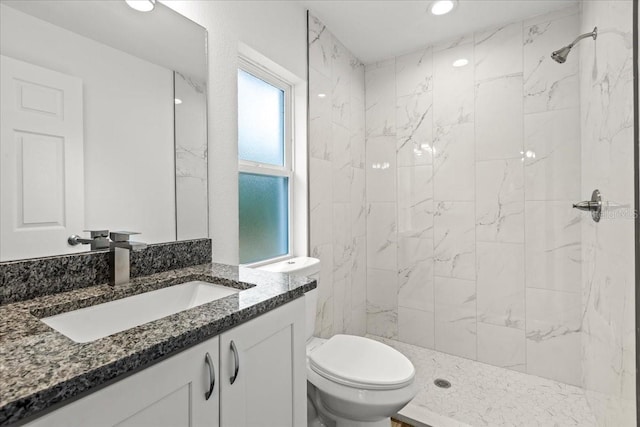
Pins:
x,y
40,367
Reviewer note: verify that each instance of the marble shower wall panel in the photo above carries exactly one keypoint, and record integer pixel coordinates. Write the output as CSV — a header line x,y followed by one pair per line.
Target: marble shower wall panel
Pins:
x,y
500,284
552,176
553,335
608,338
548,86
455,316
454,240
337,182
499,124
382,199
500,201
192,212
473,214
552,147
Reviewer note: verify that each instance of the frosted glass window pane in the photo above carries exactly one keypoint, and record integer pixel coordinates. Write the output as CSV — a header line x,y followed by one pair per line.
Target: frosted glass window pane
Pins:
x,y
260,120
264,217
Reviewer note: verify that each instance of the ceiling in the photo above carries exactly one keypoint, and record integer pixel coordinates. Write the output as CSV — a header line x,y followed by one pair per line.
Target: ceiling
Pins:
x,y
144,35
378,29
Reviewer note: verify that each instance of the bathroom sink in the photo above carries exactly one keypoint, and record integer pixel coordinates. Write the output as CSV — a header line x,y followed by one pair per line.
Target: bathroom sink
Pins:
x,y
91,323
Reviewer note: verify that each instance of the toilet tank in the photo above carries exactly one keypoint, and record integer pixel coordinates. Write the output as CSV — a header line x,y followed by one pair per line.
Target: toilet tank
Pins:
x,y
301,266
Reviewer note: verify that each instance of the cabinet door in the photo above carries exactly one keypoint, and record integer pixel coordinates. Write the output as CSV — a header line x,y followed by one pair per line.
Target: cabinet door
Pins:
x,y
270,386
170,393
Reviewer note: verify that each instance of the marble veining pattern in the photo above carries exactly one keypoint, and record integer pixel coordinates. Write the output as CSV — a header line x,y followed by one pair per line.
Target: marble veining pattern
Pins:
x,y
499,124
500,201
553,333
454,240
608,318
382,303
192,211
500,284
472,212
485,395
338,178
40,367
548,86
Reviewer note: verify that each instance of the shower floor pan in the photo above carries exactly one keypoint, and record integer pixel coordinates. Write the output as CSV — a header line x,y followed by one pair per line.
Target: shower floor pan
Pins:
x,y
485,395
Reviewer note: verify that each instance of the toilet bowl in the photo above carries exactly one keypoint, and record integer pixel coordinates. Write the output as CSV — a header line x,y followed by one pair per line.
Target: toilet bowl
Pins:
x,y
351,380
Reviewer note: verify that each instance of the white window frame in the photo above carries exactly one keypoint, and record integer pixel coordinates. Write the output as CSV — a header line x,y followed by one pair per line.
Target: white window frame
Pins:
x,y
259,168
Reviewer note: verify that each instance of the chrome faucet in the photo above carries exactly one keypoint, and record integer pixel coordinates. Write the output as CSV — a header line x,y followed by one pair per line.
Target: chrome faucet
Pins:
x,y
120,262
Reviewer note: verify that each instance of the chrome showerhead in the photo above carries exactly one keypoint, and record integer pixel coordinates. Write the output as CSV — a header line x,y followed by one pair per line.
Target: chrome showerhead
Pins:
x,y
560,55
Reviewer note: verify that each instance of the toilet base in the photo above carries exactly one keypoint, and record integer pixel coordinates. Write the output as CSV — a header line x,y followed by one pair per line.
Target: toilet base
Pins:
x,y
319,416
382,423
318,422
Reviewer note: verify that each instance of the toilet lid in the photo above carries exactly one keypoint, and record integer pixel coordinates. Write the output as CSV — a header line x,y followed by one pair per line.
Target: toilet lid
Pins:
x,y
362,363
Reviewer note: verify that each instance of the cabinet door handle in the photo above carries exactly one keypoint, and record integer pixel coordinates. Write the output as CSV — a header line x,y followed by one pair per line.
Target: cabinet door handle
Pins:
x,y
236,362
212,376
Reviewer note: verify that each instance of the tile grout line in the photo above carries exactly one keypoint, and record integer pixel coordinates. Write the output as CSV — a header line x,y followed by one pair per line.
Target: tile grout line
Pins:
x,y
433,201
475,195
524,210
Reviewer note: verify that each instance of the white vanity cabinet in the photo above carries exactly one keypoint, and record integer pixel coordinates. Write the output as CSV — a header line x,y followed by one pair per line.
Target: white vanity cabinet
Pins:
x,y
170,393
269,388
262,370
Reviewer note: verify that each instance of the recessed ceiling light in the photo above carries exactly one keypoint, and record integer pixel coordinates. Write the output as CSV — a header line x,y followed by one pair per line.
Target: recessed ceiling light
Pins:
x,y
442,7
460,62
322,95
141,5
177,101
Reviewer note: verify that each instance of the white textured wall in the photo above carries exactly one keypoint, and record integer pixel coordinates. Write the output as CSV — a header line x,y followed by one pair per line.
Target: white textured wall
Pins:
x,y
337,182
608,332
472,246
121,191
275,29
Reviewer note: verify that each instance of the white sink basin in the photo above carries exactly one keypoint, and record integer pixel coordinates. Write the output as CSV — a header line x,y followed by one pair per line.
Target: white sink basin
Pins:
x,y
91,323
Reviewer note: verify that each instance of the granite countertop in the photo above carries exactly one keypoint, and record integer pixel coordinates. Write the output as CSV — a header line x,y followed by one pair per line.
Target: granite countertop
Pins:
x,y
40,367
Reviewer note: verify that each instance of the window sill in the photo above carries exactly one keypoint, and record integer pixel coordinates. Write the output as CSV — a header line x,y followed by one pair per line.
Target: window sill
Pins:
x,y
267,261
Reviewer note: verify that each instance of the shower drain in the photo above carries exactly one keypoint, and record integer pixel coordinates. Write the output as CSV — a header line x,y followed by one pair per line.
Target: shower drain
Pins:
x,y
442,383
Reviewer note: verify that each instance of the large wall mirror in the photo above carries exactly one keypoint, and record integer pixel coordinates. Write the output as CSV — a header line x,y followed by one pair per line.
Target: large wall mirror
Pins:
x,y
103,124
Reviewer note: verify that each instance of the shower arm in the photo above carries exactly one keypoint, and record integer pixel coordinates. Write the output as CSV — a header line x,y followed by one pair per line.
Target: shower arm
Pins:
x,y
593,34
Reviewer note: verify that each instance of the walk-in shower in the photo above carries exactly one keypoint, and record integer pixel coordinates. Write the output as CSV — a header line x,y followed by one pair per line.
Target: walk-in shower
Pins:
x,y
467,254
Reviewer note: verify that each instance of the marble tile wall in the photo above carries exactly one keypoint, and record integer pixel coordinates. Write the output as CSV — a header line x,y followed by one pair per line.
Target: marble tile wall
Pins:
x,y
337,182
608,337
472,245
190,121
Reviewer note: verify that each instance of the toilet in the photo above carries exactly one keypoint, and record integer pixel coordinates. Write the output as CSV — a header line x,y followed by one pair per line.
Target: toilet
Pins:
x,y
351,380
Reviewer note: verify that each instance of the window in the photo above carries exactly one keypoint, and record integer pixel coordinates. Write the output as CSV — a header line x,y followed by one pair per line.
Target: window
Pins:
x,y
265,165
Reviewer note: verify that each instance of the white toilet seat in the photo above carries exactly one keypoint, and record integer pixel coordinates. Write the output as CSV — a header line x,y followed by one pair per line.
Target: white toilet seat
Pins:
x,y
361,363
357,395
341,402
367,394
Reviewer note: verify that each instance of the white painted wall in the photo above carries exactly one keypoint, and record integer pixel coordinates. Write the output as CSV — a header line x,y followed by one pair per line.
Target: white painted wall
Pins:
x,y
276,29
121,191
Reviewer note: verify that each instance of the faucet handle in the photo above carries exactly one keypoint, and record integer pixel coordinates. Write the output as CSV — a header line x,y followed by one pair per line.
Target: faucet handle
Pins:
x,y
121,236
97,233
99,239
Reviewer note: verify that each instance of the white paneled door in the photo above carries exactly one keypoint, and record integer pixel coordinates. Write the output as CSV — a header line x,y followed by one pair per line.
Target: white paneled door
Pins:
x,y
41,160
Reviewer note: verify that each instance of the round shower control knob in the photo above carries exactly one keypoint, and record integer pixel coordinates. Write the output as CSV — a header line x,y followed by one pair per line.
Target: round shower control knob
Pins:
x,y
594,205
